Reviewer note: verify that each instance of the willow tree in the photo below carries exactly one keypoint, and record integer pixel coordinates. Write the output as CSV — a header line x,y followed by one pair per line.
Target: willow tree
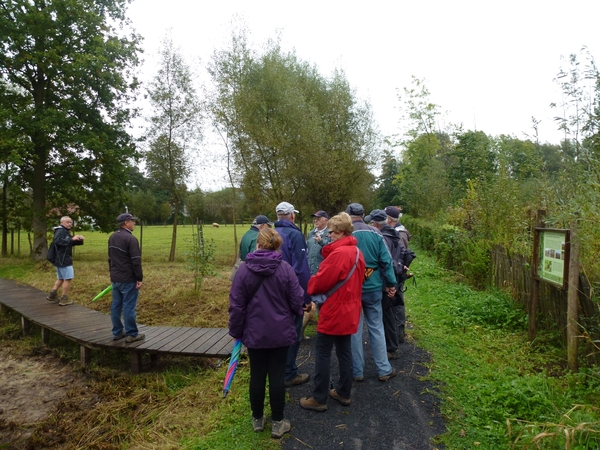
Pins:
x,y
295,135
67,69
174,129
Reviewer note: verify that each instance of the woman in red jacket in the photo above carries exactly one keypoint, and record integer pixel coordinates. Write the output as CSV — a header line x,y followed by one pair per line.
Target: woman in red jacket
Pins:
x,y
339,315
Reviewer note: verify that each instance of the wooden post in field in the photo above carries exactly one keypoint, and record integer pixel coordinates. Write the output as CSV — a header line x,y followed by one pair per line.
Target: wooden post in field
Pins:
x,y
573,301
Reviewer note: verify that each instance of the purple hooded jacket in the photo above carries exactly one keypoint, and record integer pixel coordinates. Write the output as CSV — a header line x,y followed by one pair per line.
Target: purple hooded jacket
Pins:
x,y
266,320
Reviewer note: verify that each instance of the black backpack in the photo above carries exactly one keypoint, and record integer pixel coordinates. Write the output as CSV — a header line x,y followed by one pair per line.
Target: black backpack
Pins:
x,y
51,255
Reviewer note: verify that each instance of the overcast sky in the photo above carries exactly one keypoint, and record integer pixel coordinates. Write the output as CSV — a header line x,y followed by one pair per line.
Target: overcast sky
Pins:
x,y
489,64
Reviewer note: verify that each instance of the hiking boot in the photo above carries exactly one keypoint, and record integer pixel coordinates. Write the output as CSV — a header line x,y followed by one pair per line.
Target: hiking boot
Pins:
x,y
64,301
359,379
311,403
258,424
342,401
393,355
120,336
139,337
52,297
390,375
280,427
301,378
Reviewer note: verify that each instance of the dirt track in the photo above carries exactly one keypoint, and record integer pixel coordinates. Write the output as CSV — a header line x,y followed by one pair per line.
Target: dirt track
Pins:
x,y
402,413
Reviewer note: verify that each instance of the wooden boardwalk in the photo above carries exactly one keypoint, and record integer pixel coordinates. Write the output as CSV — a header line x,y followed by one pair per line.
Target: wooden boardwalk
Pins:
x,y
92,329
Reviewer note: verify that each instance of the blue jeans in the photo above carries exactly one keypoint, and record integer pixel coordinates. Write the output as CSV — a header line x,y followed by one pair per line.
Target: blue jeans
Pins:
x,y
373,314
124,300
291,369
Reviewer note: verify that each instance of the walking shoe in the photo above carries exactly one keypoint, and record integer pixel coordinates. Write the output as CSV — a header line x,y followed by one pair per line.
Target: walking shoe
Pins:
x,y
311,403
64,301
52,297
139,337
301,378
119,337
359,379
392,374
342,401
258,424
280,427
393,355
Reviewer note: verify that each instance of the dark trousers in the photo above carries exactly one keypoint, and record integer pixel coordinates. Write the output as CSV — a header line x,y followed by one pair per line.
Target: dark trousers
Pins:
x,y
267,362
343,350
291,369
390,328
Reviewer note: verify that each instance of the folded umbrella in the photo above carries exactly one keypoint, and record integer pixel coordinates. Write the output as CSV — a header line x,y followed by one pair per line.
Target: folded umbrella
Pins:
x,y
233,363
103,293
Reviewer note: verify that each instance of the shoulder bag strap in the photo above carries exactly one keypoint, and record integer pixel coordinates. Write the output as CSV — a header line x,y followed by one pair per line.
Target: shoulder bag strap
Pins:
x,y
339,284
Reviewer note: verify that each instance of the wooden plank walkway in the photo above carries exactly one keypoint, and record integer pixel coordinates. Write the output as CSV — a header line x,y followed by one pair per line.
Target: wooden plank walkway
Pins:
x,y
92,329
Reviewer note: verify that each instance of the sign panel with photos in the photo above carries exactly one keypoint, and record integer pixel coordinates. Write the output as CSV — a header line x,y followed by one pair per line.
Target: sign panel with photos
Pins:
x,y
551,255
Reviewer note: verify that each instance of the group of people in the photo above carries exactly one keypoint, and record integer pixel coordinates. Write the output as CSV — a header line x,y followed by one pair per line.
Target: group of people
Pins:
x,y
125,267
357,267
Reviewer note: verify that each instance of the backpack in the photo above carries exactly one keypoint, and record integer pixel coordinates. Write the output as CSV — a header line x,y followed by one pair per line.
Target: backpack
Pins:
x,y
51,255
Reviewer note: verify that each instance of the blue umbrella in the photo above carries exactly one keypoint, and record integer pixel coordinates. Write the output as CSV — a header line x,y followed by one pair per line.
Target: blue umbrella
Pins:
x,y
233,363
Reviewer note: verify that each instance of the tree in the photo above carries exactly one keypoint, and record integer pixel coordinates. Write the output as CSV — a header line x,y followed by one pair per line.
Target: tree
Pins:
x,y
67,74
294,135
174,128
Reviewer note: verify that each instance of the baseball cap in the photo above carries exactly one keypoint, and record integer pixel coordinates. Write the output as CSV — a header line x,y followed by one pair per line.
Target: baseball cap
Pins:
x,y
355,209
125,217
285,208
392,211
320,214
259,220
377,215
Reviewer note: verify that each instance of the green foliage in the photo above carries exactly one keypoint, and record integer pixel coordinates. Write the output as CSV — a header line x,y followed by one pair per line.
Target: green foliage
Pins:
x,y
201,256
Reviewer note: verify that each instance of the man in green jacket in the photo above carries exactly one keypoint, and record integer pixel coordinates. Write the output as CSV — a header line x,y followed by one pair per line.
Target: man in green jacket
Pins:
x,y
248,242
379,276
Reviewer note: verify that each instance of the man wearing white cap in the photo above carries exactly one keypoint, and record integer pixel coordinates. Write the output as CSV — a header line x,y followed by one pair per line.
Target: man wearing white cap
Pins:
x,y
294,252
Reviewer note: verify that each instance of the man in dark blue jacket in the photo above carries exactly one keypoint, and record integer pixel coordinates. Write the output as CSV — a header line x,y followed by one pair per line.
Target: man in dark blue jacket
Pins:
x,y
63,245
294,252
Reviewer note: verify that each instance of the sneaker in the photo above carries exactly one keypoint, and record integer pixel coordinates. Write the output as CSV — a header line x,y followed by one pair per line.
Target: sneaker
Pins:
x,y
139,337
311,403
342,401
64,301
258,424
390,375
280,427
301,378
393,355
359,379
52,297
120,336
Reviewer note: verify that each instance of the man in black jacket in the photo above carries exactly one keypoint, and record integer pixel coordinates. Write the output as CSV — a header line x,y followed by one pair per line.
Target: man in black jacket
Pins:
x,y
63,245
125,265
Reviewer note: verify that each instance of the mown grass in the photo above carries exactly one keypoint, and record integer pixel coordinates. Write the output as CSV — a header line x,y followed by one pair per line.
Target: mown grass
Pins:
x,y
497,389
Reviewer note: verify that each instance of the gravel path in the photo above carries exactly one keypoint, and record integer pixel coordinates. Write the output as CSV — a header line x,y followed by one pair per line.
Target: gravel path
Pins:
x,y
402,413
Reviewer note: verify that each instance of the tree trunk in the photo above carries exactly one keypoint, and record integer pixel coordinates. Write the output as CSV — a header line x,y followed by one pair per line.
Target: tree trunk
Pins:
x,y
38,207
174,238
4,216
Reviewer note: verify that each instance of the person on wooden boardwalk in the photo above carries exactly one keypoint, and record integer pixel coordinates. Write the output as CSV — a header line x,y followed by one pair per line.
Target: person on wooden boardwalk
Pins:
x,y
125,265
63,260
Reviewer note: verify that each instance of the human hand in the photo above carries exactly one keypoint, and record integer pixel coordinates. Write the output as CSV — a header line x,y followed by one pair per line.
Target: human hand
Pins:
x,y
308,307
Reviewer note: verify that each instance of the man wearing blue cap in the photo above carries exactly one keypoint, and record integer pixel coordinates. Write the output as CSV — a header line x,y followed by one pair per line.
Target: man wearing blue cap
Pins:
x,y
317,238
248,242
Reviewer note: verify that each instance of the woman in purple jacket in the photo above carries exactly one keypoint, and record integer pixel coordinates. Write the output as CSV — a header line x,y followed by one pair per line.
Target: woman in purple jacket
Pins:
x,y
264,298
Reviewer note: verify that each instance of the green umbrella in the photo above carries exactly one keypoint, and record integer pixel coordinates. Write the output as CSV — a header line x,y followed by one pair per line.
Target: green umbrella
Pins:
x,y
103,293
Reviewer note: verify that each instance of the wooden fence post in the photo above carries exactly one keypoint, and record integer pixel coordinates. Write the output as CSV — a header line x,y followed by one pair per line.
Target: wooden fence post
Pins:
x,y
573,300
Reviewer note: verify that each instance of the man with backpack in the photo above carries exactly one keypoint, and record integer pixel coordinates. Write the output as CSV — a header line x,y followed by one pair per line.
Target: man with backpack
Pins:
x,y
379,219
60,255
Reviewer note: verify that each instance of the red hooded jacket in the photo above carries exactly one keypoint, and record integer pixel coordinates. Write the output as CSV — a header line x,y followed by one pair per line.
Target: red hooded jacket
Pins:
x,y
340,314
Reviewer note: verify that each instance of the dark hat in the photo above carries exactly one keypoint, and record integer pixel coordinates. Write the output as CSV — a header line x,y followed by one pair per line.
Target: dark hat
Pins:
x,y
355,209
259,220
320,214
377,215
392,211
368,219
125,217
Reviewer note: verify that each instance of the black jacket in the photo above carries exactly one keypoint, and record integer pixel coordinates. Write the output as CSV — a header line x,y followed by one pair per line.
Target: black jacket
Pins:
x,y
63,242
124,257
